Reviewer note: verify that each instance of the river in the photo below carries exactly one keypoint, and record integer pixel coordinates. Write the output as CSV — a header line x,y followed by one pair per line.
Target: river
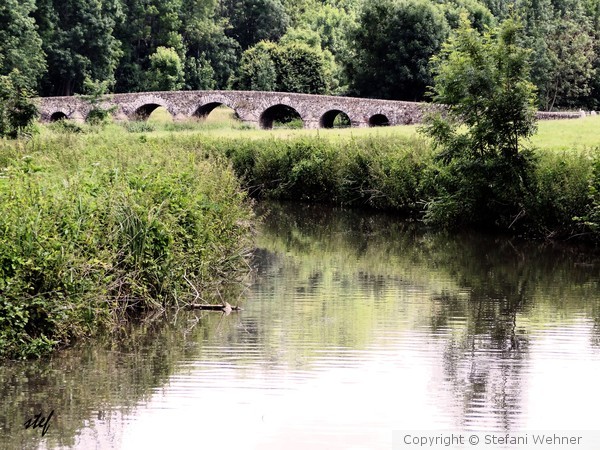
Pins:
x,y
358,328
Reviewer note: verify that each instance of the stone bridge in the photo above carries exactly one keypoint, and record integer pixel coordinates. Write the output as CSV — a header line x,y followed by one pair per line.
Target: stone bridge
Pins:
x,y
260,109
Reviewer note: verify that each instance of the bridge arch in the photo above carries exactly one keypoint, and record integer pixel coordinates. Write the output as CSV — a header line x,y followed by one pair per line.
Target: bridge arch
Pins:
x,y
143,112
277,112
204,110
379,120
143,105
58,115
327,120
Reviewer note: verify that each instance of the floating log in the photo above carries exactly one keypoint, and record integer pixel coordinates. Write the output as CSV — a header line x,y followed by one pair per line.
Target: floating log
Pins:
x,y
227,308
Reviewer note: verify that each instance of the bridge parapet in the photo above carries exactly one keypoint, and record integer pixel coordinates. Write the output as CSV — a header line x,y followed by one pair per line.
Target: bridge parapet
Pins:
x,y
254,107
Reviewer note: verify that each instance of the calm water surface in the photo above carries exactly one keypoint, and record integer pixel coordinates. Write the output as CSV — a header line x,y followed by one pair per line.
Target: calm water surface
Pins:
x,y
356,325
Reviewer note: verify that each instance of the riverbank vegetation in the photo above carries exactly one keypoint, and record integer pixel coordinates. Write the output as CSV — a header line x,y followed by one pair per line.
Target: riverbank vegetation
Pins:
x,y
102,219
94,229
403,175
391,168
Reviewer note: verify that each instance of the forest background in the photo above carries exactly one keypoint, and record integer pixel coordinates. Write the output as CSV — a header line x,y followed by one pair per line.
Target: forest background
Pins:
x,y
379,49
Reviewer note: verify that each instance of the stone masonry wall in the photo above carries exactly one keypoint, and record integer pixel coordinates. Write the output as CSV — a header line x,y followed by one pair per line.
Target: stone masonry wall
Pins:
x,y
251,106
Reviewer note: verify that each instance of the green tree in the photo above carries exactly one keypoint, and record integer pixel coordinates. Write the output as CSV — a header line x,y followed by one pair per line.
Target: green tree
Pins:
x,y
479,15
253,21
198,73
166,70
149,24
593,12
332,25
335,78
297,9
20,44
288,67
95,91
326,27
211,57
484,81
392,45
17,111
562,39
257,68
570,56
79,43
300,68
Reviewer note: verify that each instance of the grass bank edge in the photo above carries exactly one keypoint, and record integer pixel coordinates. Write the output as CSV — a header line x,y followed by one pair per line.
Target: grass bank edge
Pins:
x,y
92,232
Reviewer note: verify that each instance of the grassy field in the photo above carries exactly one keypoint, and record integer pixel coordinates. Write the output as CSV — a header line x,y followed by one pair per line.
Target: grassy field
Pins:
x,y
569,134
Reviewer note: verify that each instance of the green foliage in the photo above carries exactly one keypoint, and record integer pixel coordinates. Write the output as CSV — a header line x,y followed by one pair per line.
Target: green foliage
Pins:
x,y
253,21
166,70
490,110
95,92
384,173
211,57
300,68
141,126
479,15
571,54
67,127
562,38
148,24
21,47
405,175
335,78
17,110
79,41
560,192
91,232
393,43
288,67
199,74
484,81
257,69
374,49
591,219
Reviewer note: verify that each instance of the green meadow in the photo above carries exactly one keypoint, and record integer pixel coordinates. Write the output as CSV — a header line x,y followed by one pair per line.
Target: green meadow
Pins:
x,y
567,134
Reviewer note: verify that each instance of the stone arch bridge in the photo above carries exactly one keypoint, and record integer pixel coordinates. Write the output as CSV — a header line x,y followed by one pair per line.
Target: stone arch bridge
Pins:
x,y
259,109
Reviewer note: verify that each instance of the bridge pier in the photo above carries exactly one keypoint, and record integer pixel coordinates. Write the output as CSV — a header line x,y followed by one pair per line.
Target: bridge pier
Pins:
x,y
359,123
77,117
311,124
179,117
120,116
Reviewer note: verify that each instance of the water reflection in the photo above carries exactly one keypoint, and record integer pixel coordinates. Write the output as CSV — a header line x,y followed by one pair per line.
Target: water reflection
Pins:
x,y
357,325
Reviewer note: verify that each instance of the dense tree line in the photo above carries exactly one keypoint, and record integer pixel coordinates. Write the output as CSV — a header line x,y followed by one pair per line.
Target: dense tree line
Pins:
x,y
375,48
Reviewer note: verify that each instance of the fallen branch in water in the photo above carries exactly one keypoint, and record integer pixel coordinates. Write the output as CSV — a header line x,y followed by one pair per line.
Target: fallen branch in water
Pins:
x,y
226,307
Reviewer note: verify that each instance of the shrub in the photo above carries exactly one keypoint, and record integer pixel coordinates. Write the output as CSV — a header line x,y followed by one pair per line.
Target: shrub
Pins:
x,y
489,112
89,235
560,193
139,126
17,111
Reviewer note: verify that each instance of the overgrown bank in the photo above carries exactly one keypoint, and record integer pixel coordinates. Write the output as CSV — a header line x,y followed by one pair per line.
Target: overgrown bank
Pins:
x,y
401,174
92,229
96,221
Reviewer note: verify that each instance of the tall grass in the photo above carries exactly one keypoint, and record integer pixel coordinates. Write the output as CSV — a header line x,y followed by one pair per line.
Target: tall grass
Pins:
x,y
92,231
